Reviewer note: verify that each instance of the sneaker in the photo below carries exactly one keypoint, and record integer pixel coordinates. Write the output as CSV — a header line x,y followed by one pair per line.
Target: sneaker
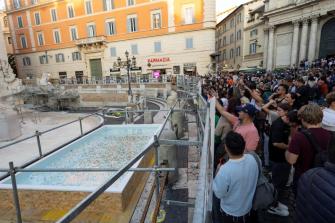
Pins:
x,y
278,211
282,206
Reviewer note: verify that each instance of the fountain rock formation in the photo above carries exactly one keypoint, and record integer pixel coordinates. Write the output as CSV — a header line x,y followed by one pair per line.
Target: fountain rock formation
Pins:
x,y
9,86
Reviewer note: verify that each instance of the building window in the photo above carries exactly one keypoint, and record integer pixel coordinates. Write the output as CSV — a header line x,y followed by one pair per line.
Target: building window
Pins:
x,y
5,21
40,39
238,51
158,47
19,22
189,43
252,49
62,77
70,11
108,5
76,56
17,4
219,43
57,38
53,15
231,23
91,31
239,18
9,40
253,32
134,49
231,38
224,41
113,51
26,61
156,20
239,35
188,14
37,18
132,23
110,27
74,33
33,2
225,27
130,2
44,59
224,55
60,57
231,54
23,42
88,7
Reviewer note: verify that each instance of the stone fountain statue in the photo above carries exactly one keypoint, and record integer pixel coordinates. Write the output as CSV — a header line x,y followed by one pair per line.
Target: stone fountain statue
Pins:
x,y
9,86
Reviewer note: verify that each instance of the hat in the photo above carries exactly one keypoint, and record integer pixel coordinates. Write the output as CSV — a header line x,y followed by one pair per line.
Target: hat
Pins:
x,y
248,108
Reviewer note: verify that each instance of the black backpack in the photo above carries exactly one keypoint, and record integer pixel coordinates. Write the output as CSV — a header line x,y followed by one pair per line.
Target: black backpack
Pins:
x,y
320,155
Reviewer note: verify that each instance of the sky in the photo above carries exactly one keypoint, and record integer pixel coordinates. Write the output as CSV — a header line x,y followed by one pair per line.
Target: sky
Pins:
x,y
2,4
222,5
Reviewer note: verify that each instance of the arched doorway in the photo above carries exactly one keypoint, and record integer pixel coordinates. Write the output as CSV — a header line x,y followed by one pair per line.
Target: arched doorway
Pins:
x,y
327,43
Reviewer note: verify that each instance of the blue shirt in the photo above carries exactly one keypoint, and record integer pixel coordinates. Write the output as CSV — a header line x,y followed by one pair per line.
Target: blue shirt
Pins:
x,y
235,185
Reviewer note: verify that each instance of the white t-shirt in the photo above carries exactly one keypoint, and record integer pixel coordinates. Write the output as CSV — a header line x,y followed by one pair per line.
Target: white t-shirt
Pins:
x,y
328,121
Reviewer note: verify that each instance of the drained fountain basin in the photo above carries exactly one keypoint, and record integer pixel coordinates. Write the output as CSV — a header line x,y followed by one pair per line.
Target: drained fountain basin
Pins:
x,y
108,147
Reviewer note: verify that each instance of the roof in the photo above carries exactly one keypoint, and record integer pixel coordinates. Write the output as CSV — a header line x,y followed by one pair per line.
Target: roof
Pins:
x,y
236,9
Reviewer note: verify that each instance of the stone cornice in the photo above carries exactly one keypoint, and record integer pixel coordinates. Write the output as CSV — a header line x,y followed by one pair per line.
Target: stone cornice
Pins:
x,y
289,8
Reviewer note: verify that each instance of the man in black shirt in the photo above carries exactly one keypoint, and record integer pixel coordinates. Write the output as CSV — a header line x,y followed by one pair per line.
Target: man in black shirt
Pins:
x,y
302,93
278,143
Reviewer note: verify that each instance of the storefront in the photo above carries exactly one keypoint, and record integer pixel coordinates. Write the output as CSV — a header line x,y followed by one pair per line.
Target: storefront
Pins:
x,y
190,69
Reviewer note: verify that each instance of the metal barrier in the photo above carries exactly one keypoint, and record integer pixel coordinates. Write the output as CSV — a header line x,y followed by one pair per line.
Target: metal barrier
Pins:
x,y
38,135
205,122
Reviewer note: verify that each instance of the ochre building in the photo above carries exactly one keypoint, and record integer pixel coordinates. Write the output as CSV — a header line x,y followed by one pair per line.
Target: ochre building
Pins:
x,y
83,38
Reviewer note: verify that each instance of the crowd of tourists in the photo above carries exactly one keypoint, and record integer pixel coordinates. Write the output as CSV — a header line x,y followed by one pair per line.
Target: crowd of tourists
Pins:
x,y
281,124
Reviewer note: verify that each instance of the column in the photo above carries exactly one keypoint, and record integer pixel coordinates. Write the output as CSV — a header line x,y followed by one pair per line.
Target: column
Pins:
x,y
312,39
265,47
295,43
270,49
303,41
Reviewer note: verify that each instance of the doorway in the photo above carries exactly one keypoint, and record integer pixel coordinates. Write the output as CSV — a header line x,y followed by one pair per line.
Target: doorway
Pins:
x,y
96,69
327,43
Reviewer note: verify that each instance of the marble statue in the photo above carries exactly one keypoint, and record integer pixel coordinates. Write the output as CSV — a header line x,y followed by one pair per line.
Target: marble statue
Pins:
x,y
9,86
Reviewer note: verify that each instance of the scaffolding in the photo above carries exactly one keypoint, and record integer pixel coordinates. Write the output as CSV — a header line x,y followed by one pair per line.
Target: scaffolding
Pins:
x,y
204,115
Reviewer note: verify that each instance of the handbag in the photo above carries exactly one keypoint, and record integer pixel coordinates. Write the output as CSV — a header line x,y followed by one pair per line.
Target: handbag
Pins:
x,y
265,193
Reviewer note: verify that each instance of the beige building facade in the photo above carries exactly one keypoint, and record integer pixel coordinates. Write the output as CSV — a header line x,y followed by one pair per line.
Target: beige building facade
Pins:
x,y
6,32
233,37
298,30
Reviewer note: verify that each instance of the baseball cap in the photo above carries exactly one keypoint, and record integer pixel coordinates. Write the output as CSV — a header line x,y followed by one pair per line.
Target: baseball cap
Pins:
x,y
248,108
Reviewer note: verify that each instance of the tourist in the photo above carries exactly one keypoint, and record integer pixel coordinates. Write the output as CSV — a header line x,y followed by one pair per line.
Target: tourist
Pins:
x,y
278,143
243,124
316,192
301,152
235,181
328,121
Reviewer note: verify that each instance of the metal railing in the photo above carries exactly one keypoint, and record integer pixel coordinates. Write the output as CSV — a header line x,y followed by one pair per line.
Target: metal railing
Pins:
x,y
205,122
37,135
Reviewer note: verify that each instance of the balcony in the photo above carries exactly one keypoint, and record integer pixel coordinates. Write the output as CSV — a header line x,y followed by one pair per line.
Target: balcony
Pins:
x,y
91,44
96,40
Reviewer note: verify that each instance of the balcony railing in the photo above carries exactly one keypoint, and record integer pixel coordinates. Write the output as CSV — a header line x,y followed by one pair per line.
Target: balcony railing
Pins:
x,y
91,40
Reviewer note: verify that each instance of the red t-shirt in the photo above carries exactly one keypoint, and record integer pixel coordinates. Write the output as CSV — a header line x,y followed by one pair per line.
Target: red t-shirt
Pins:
x,y
300,145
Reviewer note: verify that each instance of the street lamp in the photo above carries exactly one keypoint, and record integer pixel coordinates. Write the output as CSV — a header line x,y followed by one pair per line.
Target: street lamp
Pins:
x,y
128,64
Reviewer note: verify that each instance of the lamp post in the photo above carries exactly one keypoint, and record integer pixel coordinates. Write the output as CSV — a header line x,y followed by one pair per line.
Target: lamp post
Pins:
x,y
128,64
